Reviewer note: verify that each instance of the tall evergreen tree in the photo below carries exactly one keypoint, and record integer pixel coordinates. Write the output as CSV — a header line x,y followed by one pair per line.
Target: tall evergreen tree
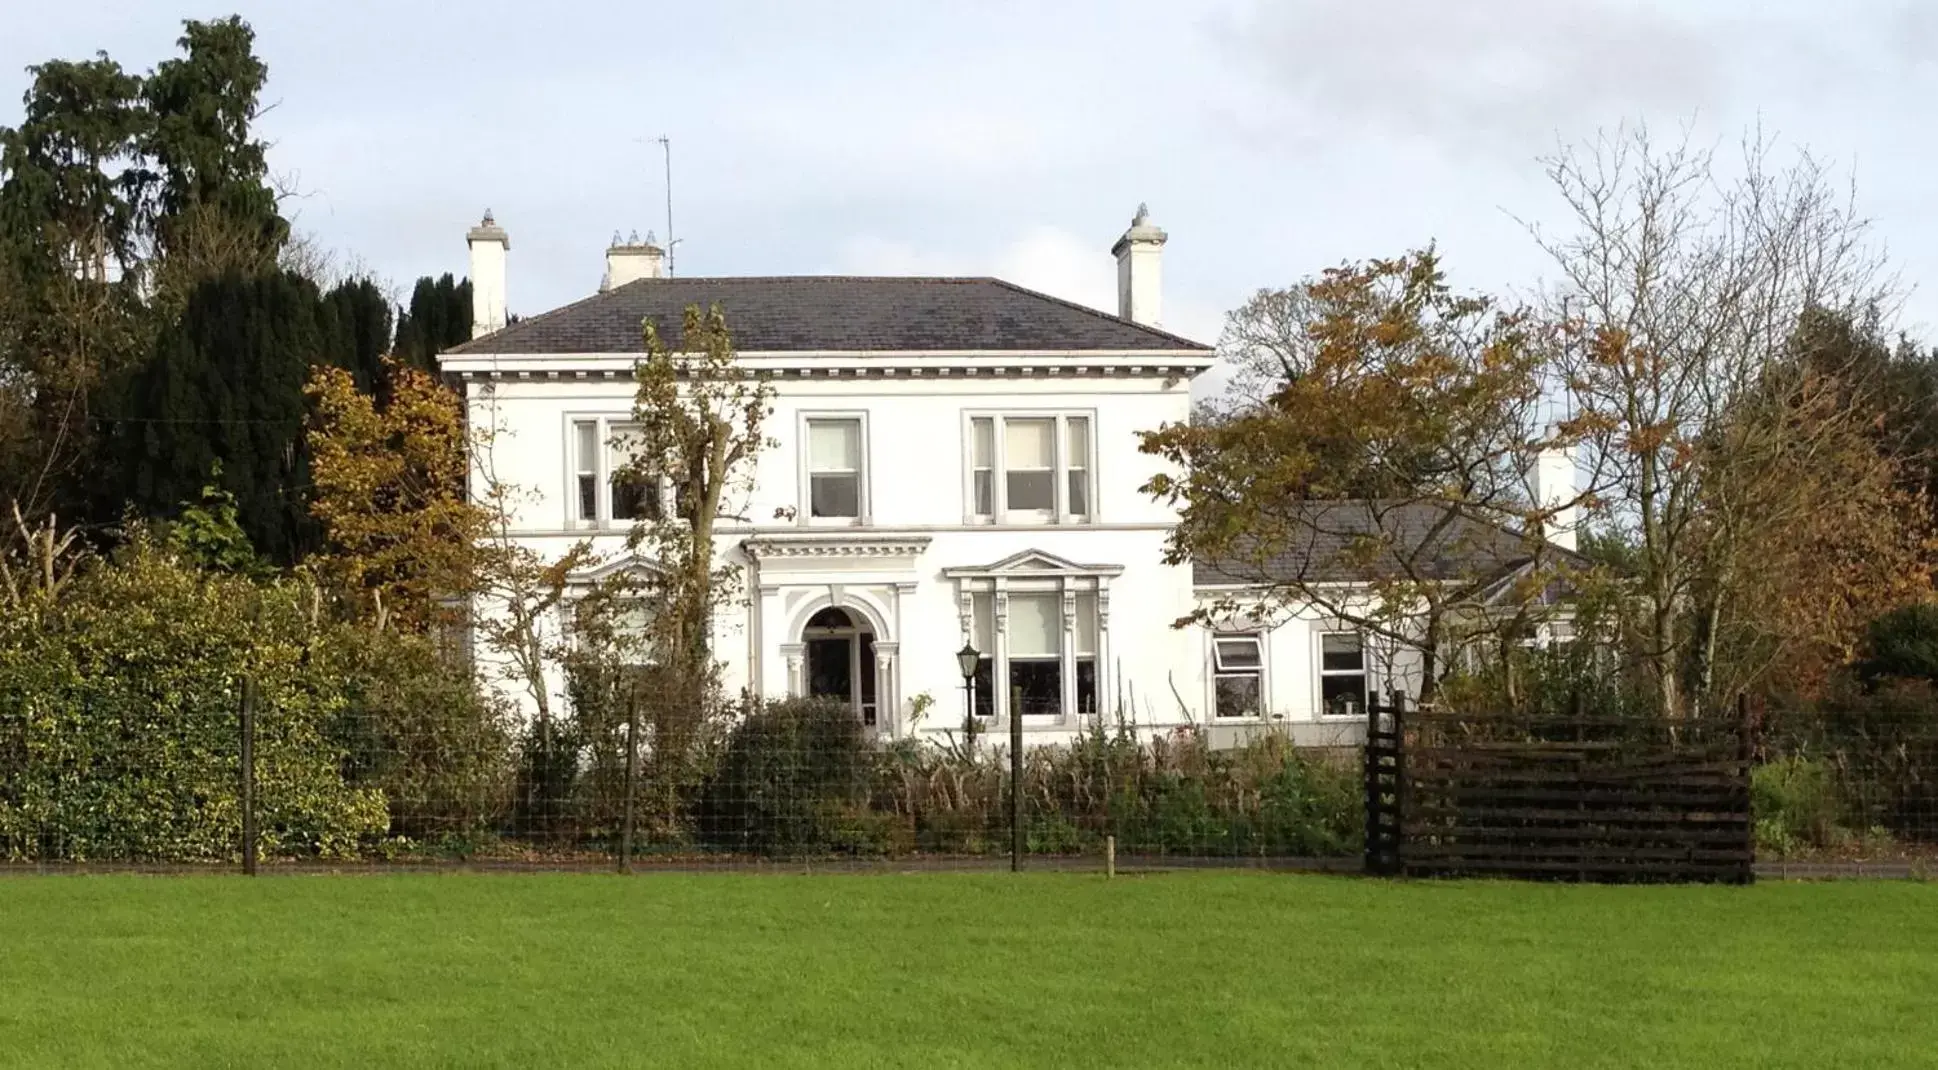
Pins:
x,y
225,386
439,318
356,319
206,185
70,304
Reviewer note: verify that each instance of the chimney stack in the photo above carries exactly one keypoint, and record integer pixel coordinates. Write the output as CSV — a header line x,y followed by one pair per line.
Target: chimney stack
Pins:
x,y
1553,486
632,260
1139,282
489,243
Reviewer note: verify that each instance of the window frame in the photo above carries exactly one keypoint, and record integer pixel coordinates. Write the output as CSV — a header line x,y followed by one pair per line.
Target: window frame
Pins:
x,y
1321,673
1070,595
1000,514
606,426
864,501
1220,671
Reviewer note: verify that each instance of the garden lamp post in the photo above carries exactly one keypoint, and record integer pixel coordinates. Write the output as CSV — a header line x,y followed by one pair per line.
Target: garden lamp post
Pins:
x,y
966,661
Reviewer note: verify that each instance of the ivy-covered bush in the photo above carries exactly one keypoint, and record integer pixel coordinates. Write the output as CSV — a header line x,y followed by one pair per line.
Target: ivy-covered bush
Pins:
x,y
794,776
118,720
413,725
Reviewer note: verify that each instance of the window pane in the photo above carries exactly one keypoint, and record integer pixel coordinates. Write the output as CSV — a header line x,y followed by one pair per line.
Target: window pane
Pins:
x,y
631,498
1345,694
585,457
834,495
1041,685
1237,695
984,612
1077,439
985,492
588,496
1035,625
1029,444
1086,624
1342,652
621,449
834,445
1032,490
1079,492
634,500
1087,685
1238,652
983,437
985,687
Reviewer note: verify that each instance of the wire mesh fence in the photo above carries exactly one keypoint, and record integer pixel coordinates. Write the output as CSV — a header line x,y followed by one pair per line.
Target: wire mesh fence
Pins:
x,y
251,774
230,778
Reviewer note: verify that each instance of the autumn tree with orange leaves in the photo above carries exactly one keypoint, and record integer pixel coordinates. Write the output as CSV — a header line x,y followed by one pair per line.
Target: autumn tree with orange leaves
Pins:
x,y
1763,519
1385,481
401,533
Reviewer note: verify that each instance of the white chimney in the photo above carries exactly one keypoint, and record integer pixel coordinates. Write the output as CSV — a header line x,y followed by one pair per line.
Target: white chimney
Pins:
x,y
489,244
632,260
1139,281
1553,486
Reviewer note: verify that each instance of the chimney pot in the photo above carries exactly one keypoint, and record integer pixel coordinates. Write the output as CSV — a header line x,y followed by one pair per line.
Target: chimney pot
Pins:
x,y
632,260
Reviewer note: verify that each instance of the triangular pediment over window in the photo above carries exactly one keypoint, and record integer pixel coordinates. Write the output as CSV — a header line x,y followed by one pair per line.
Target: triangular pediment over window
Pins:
x,y
1032,563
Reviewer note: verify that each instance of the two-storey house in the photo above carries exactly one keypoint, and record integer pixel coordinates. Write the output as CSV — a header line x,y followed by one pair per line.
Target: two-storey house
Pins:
x,y
957,466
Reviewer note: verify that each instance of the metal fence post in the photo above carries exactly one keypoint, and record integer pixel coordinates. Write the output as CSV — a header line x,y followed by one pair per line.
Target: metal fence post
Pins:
x,y
1016,780
247,725
632,783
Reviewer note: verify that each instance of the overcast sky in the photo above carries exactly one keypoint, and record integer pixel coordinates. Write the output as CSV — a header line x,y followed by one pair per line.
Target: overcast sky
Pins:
x,y
1271,139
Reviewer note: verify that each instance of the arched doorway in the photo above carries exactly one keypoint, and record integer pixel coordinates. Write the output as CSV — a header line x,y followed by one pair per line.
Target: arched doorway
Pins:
x,y
841,660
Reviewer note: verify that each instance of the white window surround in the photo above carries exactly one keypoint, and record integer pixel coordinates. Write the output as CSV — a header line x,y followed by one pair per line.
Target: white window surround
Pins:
x,y
605,427
804,511
1066,425
1321,673
984,601
1226,658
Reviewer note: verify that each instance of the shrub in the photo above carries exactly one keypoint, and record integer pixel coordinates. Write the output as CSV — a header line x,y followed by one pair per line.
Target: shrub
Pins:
x,y
1902,644
791,778
1795,804
414,725
118,720
1879,745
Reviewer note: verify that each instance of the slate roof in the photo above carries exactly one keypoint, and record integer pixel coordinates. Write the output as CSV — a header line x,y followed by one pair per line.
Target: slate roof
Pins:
x,y
807,313
1463,548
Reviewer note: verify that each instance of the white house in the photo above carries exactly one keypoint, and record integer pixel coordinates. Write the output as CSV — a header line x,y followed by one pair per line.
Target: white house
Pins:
x,y
957,465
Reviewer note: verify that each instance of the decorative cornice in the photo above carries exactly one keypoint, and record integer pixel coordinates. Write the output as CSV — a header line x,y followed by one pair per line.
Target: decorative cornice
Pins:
x,y
1031,564
832,545
1155,369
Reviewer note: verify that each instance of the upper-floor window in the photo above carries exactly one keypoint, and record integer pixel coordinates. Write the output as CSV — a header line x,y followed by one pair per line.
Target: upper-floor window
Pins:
x,y
837,483
1030,468
607,487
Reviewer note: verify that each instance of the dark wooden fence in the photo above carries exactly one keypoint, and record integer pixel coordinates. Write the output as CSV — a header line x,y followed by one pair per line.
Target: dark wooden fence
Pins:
x,y
1557,798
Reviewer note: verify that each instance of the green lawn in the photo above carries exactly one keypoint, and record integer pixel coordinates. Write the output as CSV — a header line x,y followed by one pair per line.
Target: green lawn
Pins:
x,y
1204,969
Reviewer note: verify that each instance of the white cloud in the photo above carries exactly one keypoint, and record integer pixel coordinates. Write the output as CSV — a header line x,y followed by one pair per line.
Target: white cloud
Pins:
x,y
1477,74
1049,259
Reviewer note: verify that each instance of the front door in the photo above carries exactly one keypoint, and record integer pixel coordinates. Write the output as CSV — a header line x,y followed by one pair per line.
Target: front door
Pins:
x,y
830,668
841,662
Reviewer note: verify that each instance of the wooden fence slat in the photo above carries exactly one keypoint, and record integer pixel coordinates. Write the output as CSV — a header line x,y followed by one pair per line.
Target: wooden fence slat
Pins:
x,y
1576,797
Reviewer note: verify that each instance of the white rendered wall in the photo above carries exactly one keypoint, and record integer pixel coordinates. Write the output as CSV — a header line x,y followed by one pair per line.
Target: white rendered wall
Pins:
x,y
916,476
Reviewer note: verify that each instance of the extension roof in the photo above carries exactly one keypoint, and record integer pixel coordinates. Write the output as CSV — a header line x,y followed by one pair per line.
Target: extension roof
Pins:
x,y
1426,538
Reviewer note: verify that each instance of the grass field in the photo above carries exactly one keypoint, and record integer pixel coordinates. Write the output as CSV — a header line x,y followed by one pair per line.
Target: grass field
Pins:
x,y
1205,969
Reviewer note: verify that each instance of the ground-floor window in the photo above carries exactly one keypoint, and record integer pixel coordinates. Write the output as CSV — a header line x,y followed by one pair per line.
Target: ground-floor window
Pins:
x,y
1238,675
1051,664
1342,674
